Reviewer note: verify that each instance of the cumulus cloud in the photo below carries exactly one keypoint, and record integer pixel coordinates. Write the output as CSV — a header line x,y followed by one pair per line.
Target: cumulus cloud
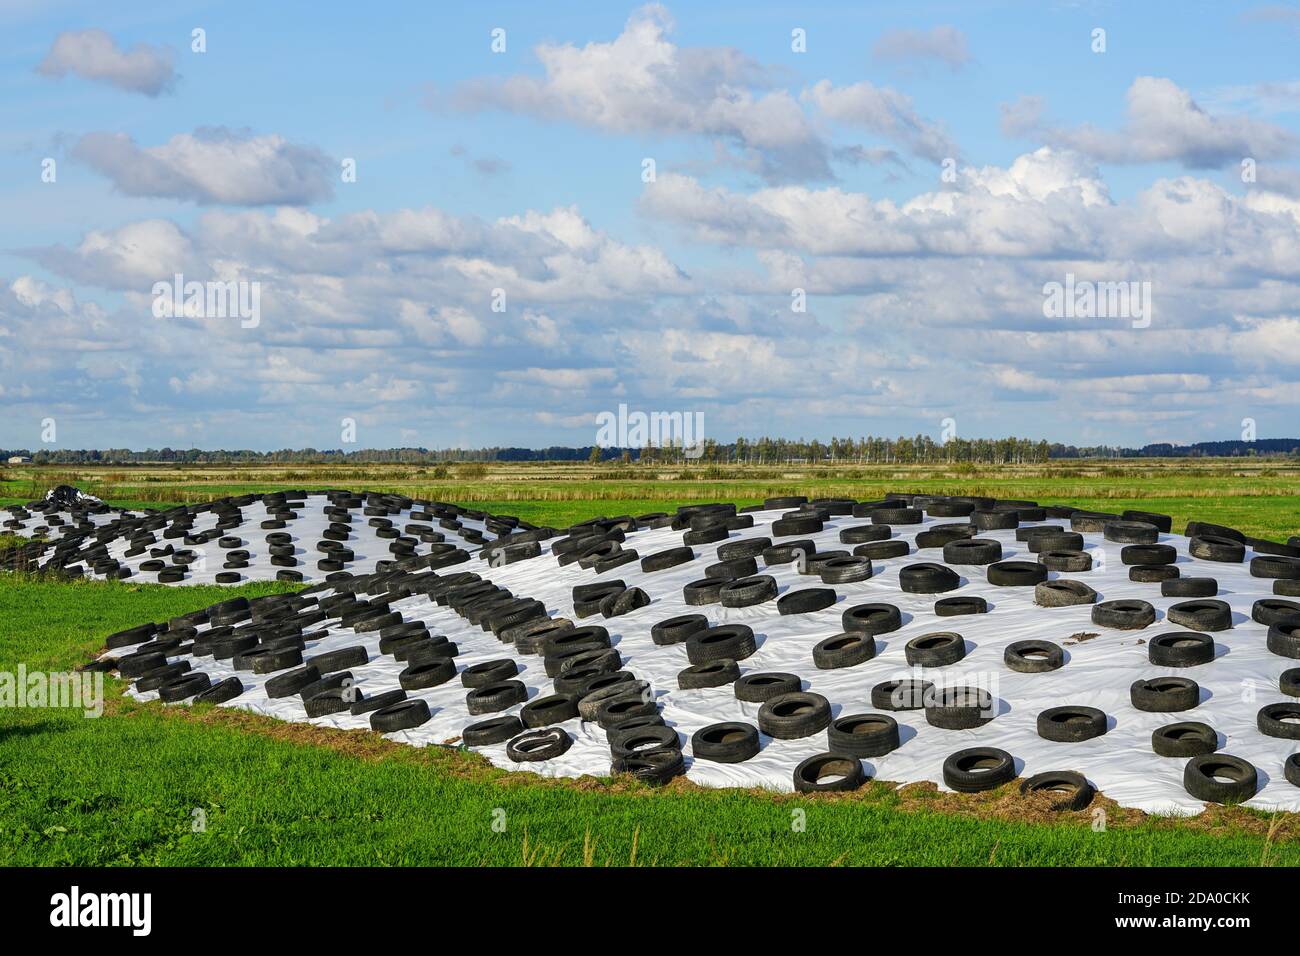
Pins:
x,y
95,56
210,166
943,43
885,112
1163,124
641,82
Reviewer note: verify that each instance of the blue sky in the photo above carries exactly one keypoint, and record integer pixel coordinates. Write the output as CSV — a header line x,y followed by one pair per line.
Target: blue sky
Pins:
x,y
522,171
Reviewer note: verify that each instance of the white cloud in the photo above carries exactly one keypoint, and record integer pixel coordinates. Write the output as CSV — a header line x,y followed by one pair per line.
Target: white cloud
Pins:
x,y
885,112
1164,124
94,55
212,165
943,43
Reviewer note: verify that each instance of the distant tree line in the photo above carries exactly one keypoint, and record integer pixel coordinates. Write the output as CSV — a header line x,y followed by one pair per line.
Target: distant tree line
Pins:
x,y
918,449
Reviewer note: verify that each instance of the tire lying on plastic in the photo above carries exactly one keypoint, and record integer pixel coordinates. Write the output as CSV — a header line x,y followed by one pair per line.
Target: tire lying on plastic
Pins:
x,y
978,768
1220,778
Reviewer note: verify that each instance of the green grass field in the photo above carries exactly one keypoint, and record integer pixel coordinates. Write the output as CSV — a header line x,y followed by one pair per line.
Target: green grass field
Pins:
x,y
125,788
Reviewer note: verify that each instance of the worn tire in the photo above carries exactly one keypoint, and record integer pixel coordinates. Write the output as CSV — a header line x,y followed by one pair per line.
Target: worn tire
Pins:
x,y
1033,657
728,742
978,768
1159,695
1180,649
863,735
844,650
1184,739
794,715
937,649
1201,778
1071,724
1073,788
1123,615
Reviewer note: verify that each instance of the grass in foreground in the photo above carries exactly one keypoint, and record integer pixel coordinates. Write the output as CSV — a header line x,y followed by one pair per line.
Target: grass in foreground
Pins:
x,y
129,787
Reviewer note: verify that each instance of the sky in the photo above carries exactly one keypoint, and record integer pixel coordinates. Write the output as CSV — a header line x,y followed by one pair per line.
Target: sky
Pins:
x,y
486,224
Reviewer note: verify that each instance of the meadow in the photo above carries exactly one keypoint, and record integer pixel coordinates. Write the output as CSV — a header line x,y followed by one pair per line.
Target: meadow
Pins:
x,y
198,786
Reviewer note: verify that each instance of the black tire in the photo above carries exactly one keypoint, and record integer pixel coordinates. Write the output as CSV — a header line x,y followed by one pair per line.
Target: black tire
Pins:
x,y
1269,611
1063,593
1016,574
928,578
1291,768
938,649
794,715
748,591
1065,560
1215,548
494,730
1123,615
762,686
731,570
1071,724
627,743
1203,615
959,708
625,602
901,695
267,660
489,672
655,767
728,742
788,552
1160,695
874,619
729,641
744,548
1131,532
663,560
1275,566
955,606
427,674
185,686
220,692
845,570
1220,778
545,711
863,735
881,550
617,709
844,650
371,704
1184,739
1284,638
862,534
403,715
286,685
711,674
1189,587
978,768
676,630
1180,649
994,520
493,698
806,601
704,591
825,773
1148,554
1073,791
1289,682
1280,720
333,700
973,551
607,687
1152,573
341,659
1033,657
535,745
793,524
1055,541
